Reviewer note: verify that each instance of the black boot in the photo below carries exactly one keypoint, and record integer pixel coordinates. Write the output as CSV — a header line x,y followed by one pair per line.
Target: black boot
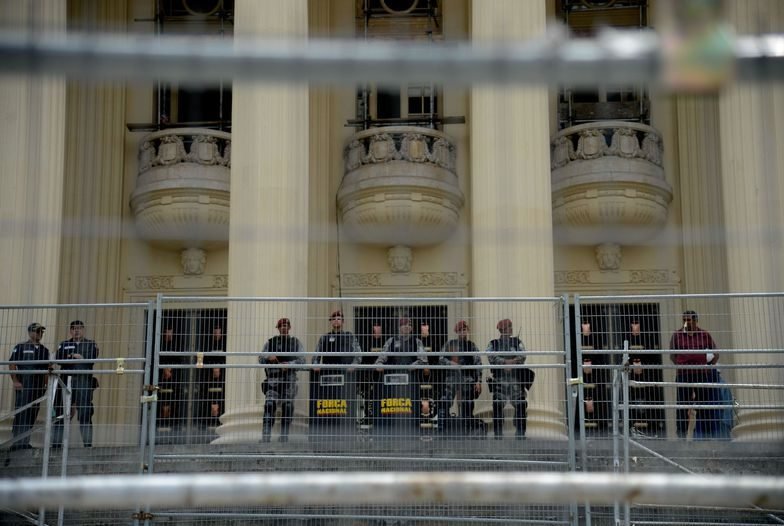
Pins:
x,y
498,419
268,420
521,419
285,420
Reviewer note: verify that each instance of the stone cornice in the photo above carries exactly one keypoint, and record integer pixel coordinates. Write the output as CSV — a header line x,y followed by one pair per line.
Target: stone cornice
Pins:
x,y
617,277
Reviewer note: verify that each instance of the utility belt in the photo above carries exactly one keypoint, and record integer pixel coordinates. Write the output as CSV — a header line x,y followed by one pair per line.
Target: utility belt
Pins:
x,y
523,376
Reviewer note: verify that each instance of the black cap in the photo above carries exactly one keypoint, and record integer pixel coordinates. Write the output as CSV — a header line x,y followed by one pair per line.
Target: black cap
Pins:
x,y
35,327
76,323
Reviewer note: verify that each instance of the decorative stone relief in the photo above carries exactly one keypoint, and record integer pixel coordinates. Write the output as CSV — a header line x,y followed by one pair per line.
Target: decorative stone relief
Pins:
x,y
620,277
170,151
650,276
382,149
414,148
608,256
439,279
164,283
154,282
353,155
146,156
362,280
571,276
204,150
591,144
418,145
624,143
652,148
193,261
226,159
563,152
399,259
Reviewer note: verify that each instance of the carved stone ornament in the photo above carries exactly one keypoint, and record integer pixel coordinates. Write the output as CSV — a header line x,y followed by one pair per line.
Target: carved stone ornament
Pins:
x,y
444,154
414,148
624,143
652,148
354,154
193,261
226,159
400,259
382,149
362,280
204,150
572,277
591,144
146,156
608,256
154,282
439,279
170,151
563,152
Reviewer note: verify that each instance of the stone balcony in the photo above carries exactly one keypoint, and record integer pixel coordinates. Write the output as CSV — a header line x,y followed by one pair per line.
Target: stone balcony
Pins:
x,y
400,187
608,184
181,200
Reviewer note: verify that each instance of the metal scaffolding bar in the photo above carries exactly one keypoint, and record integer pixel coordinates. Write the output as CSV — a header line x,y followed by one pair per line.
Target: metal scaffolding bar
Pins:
x,y
613,57
395,488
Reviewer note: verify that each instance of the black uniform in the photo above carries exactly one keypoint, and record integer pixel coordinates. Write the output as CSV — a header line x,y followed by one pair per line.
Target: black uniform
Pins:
x,y
33,387
596,383
368,378
647,421
212,381
170,389
81,386
332,403
459,381
280,385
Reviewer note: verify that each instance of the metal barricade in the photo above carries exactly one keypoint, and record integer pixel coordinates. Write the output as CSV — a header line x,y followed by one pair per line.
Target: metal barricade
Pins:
x,y
91,361
678,383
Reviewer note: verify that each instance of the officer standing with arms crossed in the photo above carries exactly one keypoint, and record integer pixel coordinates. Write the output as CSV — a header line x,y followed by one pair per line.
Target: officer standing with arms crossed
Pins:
x,y
505,383
466,382
281,382
77,347
28,387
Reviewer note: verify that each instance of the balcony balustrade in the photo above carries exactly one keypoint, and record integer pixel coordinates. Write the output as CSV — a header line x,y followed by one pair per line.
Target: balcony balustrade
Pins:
x,y
400,187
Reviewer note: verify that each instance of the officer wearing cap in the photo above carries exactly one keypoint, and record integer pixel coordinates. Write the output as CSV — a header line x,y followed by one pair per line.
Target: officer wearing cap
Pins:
x,y
466,382
77,347
28,387
281,382
506,384
404,342
328,346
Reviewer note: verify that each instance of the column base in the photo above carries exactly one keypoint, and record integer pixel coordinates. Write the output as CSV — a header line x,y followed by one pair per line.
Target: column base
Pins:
x,y
759,426
240,426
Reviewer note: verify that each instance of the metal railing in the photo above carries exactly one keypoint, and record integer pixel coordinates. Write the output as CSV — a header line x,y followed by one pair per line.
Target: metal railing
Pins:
x,y
181,390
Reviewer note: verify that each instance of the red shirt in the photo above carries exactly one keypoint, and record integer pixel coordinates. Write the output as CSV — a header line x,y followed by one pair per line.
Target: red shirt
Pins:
x,y
696,339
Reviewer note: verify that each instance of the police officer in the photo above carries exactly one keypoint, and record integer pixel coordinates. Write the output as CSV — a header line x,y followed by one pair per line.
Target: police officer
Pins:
x,y
28,387
372,345
466,382
336,341
77,347
281,383
212,379
170,398
505,383
414,351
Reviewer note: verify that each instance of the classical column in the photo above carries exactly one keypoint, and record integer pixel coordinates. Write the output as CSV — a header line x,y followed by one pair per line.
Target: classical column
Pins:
x,y
752,175
268,240
32,127
94,163
511,210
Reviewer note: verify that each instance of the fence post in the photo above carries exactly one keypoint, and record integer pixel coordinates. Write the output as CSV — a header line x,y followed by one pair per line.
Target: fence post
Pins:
x,y
581,398
571,395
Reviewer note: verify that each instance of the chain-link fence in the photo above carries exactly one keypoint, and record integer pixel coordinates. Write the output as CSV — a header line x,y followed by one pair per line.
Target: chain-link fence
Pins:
x,y
646,384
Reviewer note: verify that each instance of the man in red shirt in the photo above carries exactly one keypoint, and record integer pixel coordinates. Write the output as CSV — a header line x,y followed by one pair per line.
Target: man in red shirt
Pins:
x,y
692,338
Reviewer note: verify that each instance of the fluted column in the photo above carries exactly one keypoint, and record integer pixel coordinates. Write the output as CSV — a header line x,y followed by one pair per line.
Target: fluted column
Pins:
x,y
511,211
32,127
94,164
752,131
268,240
